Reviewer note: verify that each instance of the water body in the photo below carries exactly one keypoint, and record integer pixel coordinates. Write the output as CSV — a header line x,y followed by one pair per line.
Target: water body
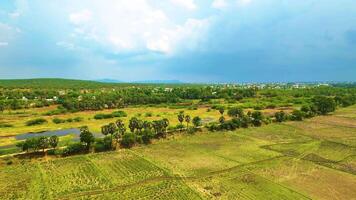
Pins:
x,y
59,133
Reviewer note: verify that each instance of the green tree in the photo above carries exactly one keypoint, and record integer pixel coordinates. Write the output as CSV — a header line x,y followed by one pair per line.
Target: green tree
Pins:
x,y
53,141
297,115
43,143
324,104
133,124
165,124
181,117
197,122
2,106
222,120
235,112
86,137
280,116
128,140
187,120
221,110
257,118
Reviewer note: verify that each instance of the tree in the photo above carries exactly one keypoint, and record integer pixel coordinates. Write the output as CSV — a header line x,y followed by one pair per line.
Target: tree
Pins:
x,y
280,116
53,141
23,145
197,122
297,115
222,120
187,120
133,124
121,127
235,112
86,137
43,143
221,110
2,106
147,125
324,104
165,124
181,117
128,140
257,118
105,130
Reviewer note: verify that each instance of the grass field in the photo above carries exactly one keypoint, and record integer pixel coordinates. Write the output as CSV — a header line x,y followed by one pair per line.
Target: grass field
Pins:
x,y
314,159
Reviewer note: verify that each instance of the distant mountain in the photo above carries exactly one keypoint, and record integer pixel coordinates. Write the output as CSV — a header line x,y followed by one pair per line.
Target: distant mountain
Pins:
x,y
106,80
159,81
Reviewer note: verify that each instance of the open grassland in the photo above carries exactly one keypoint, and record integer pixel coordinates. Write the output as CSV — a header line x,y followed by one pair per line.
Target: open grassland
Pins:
x,y
18,119
314,159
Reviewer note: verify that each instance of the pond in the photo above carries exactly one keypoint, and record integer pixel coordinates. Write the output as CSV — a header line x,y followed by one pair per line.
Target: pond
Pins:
x,y
59,133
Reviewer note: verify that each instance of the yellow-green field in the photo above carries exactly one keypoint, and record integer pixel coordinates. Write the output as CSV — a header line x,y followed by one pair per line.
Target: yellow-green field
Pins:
x,y
314,159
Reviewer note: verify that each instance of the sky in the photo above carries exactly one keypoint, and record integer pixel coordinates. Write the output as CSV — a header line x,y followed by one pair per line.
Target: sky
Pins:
x,y
186,40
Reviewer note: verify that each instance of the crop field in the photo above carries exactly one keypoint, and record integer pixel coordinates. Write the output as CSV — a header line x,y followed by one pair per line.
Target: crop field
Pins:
x,y
314,159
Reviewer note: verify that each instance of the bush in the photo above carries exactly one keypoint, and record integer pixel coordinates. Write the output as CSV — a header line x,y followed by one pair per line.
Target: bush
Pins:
x,y
280,116
103,116
324,105
34,122
6,125
148,114
102,144
72,149
58,121
78,119
128,140
147,136
119,113
213,126
297,115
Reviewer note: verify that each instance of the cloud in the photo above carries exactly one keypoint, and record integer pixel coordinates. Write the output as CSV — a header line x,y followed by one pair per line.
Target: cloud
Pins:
x,y
243,2
21,8
219,4
188,4
131,26
80,17
2,44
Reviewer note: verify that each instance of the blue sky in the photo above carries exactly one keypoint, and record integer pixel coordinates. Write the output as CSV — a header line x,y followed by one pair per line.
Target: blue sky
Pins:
x,y
187,40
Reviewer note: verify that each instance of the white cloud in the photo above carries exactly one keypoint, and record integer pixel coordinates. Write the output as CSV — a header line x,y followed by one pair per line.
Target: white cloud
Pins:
x,y
243,2
80,17
2,44
219,4
21,9
188,4
134,25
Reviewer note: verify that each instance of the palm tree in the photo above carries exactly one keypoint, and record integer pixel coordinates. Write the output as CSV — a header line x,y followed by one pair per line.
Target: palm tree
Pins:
x,y
187,119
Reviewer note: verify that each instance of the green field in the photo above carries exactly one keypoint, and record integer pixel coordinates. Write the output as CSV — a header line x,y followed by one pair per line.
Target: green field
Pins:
x,y
314,159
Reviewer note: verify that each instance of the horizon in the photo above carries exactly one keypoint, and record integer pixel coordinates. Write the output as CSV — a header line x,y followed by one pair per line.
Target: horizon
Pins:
x,y
192,41
168,82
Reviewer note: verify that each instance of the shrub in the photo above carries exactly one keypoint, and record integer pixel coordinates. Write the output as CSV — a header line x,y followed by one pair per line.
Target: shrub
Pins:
x,y
58,121
213,126
128,140
34,122
257,118
147,136
103,116
72,149
78,119
102,144
324,105
280,116
148,114
297,115
6,125
119,113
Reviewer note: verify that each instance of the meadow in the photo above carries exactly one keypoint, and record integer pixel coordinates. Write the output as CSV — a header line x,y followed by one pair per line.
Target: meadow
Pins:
x,y
313,159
